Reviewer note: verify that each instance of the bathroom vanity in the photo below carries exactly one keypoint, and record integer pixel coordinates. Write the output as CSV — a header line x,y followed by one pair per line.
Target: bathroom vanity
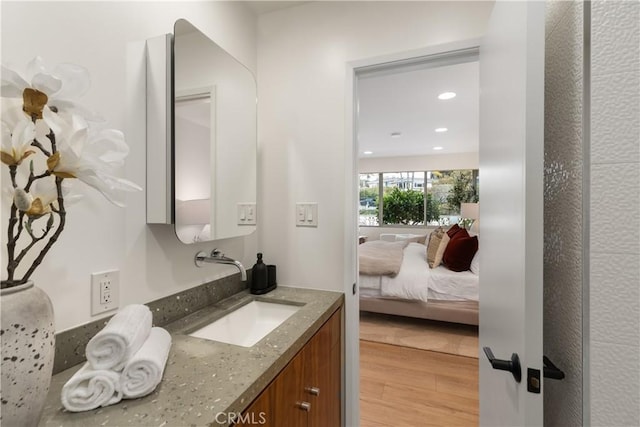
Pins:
x,y
293,373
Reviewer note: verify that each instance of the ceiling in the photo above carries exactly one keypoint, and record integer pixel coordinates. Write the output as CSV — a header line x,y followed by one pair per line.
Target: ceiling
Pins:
x,y
262,7
407,103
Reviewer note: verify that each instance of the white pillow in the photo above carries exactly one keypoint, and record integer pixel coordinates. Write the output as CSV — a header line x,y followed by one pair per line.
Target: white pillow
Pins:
x,y
388,237
411,238
416,238
475,263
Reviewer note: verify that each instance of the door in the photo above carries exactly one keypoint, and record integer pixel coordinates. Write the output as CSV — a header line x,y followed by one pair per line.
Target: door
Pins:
x,y
511,211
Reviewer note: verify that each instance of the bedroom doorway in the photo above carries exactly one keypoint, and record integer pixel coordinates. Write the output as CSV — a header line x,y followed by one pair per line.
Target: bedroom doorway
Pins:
x,y
416,127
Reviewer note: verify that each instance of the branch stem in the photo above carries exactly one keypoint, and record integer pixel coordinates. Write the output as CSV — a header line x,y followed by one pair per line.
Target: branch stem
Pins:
x,y
11,238
36,144
34,240
62,214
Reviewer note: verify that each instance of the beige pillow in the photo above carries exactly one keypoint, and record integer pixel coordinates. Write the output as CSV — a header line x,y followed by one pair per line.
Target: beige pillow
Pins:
x,y
437,232
434,244
440,252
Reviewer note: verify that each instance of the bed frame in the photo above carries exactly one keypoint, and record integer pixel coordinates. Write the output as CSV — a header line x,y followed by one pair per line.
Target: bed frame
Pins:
x,y
465,312
446,311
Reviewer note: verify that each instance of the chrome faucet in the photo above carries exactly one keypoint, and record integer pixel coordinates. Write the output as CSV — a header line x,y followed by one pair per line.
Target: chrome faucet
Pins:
x,y
218,257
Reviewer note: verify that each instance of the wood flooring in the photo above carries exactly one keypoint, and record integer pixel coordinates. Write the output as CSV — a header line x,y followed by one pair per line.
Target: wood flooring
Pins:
x,y
408,387
443,337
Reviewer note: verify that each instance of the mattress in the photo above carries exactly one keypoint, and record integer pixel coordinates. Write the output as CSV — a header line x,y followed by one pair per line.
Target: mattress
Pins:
x,y
431,295
370,282
416,281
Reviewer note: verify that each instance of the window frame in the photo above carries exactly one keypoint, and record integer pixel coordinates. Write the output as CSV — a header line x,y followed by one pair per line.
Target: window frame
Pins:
x,y
475,183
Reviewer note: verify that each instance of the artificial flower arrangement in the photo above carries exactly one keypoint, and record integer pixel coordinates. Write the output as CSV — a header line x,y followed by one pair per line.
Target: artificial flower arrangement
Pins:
x,y
49,142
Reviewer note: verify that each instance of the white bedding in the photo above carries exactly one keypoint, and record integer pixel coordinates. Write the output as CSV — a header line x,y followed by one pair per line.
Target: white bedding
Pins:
x,y
417,281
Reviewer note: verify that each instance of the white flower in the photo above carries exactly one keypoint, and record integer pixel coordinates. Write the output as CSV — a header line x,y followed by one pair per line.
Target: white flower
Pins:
x,y
18,132
92,157
22,199
62,85
16,142
38,201
40,118
42,197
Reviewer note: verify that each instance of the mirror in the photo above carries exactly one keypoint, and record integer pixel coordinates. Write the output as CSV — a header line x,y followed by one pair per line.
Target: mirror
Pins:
x,y
214,140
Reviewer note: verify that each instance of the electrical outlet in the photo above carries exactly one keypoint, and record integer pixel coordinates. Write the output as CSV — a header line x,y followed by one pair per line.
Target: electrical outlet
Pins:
x,y
104,291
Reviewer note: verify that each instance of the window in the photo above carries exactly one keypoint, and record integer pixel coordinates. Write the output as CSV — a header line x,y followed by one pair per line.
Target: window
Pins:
x,y
403,198
399,198
369,196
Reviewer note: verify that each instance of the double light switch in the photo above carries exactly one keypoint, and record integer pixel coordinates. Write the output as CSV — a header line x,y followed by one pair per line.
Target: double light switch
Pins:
x,y
247,214
306,214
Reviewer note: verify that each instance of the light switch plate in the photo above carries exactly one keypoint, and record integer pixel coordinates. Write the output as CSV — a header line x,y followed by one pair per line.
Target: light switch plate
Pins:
x,y
306,214
247,214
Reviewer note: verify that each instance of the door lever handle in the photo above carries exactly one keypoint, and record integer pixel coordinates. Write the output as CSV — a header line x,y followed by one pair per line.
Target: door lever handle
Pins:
x,y
512,365
550,370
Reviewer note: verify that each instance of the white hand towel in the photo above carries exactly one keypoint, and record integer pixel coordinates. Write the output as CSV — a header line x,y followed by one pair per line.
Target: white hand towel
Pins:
x,y
143,372
123,335
89,389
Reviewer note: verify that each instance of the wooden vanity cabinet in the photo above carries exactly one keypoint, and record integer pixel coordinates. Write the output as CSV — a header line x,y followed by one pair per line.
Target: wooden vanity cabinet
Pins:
x,y
306,393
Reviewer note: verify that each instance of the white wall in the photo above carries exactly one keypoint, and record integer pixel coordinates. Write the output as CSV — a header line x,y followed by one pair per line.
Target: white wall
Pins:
x,y
419,163
306,56
105,38
304,51
615,214
303,54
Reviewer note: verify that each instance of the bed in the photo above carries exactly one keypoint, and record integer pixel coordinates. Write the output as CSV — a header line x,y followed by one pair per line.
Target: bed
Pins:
x,y
417,290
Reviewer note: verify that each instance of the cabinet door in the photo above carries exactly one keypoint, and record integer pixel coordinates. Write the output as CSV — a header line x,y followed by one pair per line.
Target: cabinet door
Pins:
x,y
334,403
289,407
260,412
322,374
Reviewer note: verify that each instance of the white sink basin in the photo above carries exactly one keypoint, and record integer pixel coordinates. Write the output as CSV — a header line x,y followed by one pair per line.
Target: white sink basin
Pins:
x,y
248,324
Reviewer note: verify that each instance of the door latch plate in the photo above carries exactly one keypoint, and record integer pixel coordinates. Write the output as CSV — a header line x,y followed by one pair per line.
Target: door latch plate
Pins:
x,y
533,380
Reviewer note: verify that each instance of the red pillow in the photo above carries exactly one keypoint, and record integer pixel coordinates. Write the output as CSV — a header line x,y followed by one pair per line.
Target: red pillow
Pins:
x,y
455,229
460,252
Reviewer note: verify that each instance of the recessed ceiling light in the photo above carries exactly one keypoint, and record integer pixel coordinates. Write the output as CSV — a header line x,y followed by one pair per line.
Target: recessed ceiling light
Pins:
x,y
447,95
396,134
368,153
438,148
440,130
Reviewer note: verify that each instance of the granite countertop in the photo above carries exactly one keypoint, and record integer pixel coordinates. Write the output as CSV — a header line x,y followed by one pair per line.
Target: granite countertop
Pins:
x,y
203,377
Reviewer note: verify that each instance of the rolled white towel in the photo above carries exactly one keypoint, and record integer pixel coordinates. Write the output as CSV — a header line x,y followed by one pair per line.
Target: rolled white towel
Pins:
x,y
89,389
143,372
122,336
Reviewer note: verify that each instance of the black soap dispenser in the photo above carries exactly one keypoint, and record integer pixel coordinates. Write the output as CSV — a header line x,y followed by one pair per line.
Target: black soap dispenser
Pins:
x,y
259,277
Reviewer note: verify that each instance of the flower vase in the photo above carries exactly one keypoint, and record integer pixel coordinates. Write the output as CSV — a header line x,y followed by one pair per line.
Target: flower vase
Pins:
x,y
27,338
